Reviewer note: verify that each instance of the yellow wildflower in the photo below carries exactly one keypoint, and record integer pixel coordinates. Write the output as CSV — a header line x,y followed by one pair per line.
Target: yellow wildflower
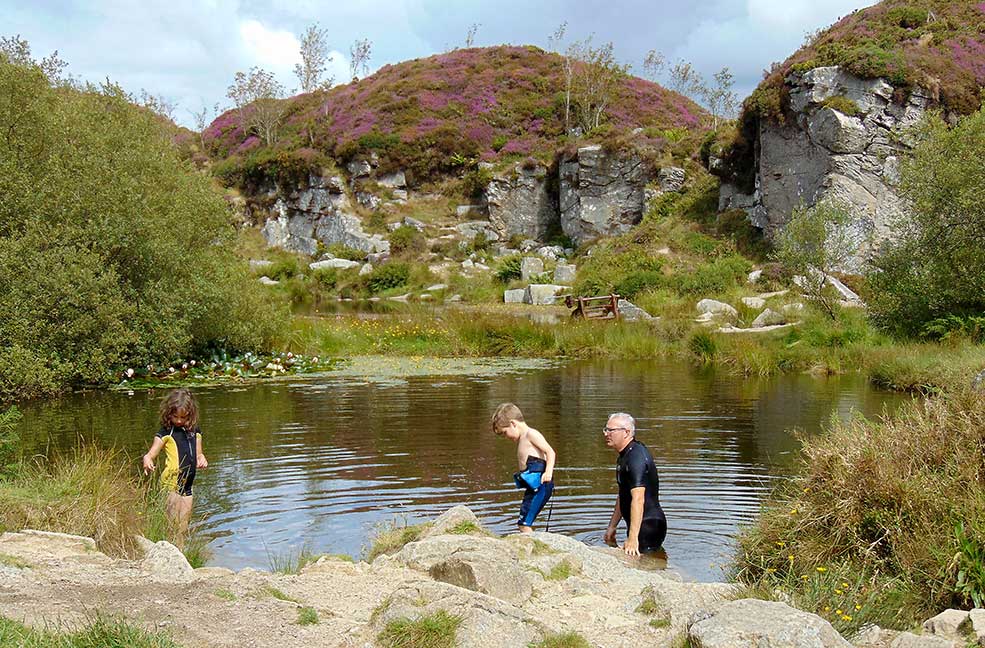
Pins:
x,y
822,569
838,612
858,607
846,617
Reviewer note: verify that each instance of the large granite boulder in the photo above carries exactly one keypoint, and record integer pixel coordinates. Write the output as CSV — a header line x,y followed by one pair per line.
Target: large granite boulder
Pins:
x,y
542,294
751,623
519,202
601,193
843,144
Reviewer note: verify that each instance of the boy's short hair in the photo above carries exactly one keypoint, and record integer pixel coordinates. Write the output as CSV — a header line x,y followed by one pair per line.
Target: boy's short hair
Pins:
x,y
505,413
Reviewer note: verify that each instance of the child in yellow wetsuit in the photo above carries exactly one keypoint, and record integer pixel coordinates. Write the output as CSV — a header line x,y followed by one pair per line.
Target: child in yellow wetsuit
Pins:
x,y
181,439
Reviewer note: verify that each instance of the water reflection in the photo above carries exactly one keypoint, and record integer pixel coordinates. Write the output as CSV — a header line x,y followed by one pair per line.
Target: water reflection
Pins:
x,y
319,463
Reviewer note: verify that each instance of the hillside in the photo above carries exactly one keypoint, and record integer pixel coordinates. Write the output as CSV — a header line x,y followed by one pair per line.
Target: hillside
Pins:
x,y
427,115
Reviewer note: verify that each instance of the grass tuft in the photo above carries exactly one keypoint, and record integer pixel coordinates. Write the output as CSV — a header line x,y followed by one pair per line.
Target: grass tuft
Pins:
x,y
225,595
307,616
280,595
291,562
561,571
13,561
434,631
563,640
100,632
391,536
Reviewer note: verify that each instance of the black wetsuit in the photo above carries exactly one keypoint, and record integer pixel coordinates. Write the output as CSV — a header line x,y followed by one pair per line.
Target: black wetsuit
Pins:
x,y
635,468
181,458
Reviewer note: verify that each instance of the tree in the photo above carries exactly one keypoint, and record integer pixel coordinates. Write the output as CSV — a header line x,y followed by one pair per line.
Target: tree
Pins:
x,y
654,64
595,77
359,55
470,35
814,243
257,96
315,57
203,118
929,279
18,51
158,104
687,81
720,99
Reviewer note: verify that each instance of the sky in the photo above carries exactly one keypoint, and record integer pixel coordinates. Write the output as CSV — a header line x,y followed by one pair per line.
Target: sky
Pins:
x,y
188,51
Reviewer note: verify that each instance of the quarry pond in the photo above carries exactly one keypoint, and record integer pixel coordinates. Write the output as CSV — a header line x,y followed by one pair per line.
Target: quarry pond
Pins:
x,y
319,462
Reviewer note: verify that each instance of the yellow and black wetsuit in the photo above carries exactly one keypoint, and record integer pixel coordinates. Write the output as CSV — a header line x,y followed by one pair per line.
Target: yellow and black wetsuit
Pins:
x,y
181,456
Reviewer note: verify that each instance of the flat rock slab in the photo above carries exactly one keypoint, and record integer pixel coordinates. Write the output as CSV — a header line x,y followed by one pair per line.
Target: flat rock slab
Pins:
x,y
910,640
750,623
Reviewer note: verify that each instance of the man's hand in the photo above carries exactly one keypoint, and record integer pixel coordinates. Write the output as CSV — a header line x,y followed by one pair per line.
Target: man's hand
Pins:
x,y
610,536
632,547
547,477
148,465
202,462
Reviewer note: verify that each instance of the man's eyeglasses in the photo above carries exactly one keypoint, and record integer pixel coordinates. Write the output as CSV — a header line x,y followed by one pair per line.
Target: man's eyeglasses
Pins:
x,y
607,430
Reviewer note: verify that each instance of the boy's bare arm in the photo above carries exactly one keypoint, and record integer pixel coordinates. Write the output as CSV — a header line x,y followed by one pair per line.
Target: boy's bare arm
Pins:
x,y
538,441
155,449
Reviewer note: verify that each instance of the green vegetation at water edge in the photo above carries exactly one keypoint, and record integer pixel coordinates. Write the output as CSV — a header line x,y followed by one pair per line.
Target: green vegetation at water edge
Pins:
x,y
390,537
291,561
885,522
568,639
100,632
151,278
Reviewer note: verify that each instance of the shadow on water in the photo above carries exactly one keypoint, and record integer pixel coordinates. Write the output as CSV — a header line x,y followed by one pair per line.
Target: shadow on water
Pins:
x,y
320,462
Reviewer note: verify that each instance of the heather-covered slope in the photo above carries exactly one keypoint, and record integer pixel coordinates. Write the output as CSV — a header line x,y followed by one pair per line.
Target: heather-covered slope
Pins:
x,y
426,115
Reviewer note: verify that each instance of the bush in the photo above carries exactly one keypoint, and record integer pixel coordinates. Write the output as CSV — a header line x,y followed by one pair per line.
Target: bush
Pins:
x,y
638,282
509,268
886,515
124,257
341,251
935,269
842,104
407,240
9,440
711,278
387,276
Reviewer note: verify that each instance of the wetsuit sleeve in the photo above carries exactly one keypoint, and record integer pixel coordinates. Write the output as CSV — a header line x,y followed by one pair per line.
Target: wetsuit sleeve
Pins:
x,y
198,430
163,432
636,470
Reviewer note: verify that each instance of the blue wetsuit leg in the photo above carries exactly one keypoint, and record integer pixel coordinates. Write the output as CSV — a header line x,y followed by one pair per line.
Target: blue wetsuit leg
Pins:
x,y
533,503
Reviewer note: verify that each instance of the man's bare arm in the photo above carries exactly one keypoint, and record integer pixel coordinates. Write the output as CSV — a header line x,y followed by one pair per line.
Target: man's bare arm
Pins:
x,y
610,532
632,546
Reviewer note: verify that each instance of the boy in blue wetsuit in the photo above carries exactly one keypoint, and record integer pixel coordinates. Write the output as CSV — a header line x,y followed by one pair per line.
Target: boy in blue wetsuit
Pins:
x,y
535,457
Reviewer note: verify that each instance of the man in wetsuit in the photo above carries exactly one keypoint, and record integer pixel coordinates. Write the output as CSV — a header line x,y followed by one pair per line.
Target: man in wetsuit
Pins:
x,y
638,501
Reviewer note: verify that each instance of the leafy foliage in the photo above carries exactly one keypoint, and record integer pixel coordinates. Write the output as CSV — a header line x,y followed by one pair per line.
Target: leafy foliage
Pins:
x,y
112,251
934,271
387,276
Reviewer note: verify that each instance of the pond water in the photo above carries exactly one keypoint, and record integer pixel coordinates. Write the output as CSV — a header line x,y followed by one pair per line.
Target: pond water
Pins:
x,y
320,462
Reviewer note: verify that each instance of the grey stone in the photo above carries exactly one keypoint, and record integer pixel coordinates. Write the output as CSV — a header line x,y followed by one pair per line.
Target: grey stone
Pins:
x,y
395,180
454,299
450,519
347,229
366,269
671,178
166,560
471,229
564,274
754,276
267,281
514,296
410,221
601,194
542,294
436,287
528,245
713,307
519,202
630,312
368,200
531,267
260,264
977,617
754,302
341,264
768,318
947,623
846,293
468,264
359,168
910,640
751,623
465,211
400,196
550,252
837,132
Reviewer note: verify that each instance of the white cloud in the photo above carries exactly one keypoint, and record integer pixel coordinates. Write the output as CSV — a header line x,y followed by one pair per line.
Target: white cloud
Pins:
x,y
803,15
278,50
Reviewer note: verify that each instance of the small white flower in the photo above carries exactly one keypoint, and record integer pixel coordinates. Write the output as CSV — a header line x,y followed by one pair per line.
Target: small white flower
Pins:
x,y
170,369
129,373
290,355
184,365
193,363
315,359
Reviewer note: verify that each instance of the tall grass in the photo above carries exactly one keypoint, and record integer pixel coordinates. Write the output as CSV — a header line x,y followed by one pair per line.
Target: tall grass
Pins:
x,y
434,631
94,493
390,537
886,522
291,561
100,632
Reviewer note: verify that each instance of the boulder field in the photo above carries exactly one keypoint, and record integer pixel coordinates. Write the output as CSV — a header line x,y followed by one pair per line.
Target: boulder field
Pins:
x,y
512,592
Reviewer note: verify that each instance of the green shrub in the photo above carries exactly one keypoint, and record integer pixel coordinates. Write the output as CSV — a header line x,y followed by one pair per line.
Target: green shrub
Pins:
x,y
509,268
907,16
307,616
569,639
407,240
842,104
392,536
638,282
284,268
387,276
326,278
475,181
710,278
124,258
342,251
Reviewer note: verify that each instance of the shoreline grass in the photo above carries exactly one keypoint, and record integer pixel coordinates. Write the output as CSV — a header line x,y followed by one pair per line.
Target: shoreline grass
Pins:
x,y
819,345
100,631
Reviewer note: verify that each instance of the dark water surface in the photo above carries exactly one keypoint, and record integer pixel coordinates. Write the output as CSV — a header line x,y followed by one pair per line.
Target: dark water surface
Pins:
x,y
319,462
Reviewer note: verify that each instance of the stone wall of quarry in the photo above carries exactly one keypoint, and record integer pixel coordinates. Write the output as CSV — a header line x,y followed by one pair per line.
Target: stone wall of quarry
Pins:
x,y
843,144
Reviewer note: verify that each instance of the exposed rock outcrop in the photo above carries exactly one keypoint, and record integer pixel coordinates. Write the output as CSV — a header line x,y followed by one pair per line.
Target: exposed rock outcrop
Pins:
x,y
520,203
843,143
320,212
601,194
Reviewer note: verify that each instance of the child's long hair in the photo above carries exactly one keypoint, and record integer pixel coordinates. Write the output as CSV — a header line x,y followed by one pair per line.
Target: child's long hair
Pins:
x,y
180,400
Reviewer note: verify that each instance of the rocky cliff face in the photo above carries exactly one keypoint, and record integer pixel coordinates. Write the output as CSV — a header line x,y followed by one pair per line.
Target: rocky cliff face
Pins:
x,y
520,203
842,144
601,194
320,212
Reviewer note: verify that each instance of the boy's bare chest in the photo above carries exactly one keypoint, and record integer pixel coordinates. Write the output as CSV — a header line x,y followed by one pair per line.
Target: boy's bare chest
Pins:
x,y
525,449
